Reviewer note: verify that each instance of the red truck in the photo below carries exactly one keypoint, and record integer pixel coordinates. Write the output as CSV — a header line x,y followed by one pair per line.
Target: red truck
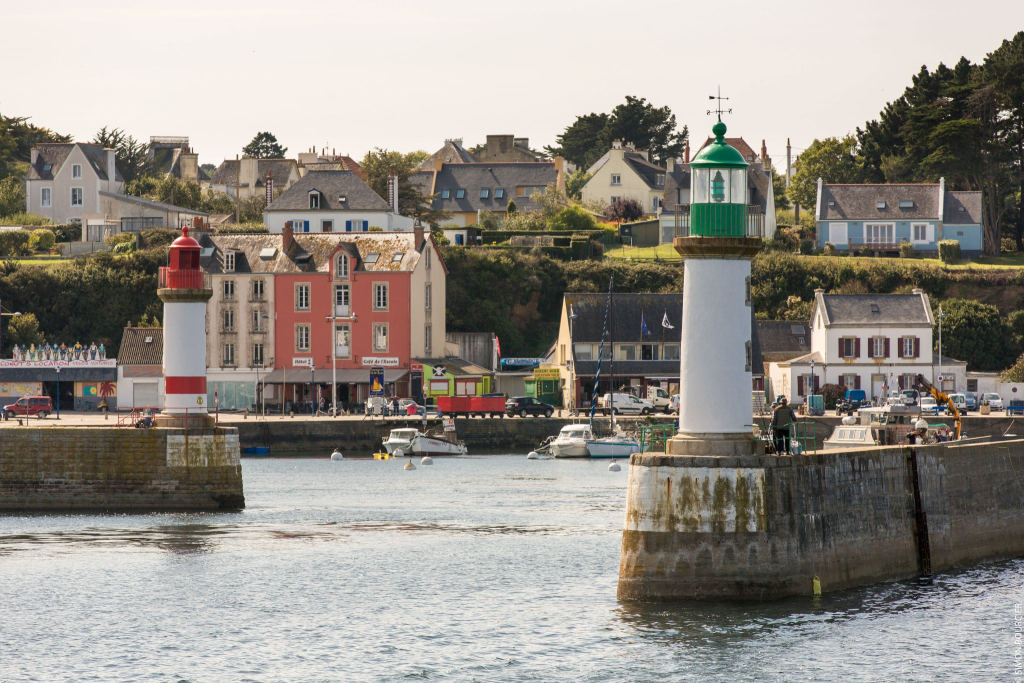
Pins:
x,y
467,406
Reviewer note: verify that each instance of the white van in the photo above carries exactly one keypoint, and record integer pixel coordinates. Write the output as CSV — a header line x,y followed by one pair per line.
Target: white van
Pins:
x,y
659,398
625,404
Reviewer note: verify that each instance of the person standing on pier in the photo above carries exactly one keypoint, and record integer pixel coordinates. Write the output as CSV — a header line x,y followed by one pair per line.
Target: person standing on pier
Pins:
x,y
782,420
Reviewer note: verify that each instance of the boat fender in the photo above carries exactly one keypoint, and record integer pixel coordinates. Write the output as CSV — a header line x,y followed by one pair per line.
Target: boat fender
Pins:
x,y
533,455
614,467
336,455
816,585
398,453
409,465
427,460
849,420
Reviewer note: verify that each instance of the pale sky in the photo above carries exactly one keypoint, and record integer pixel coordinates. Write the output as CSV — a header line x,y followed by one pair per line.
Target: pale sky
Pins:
x,y
406,74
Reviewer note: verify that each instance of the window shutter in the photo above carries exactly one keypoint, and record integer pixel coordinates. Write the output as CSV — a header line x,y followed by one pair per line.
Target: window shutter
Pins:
x,y
348,226
366,225
841,348
917,347
856,347
817,384
305,226
800,385
886,347
899,347
856,382
842,383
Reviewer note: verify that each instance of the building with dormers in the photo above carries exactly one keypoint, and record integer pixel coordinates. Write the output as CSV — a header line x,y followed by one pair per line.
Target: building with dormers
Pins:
x,y
332,201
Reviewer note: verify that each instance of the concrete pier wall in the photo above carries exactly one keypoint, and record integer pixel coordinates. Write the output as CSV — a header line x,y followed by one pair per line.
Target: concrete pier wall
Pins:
x,y
67,468
762,527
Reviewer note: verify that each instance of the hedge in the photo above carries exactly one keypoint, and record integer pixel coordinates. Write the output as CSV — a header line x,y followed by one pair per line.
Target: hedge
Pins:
x,y
949,251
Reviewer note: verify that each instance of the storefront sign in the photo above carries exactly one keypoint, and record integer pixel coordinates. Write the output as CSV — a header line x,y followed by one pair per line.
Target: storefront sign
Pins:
x,y
521,362
449,424
110,363
416,367
302,362
376,381
439,372
547,373
381,361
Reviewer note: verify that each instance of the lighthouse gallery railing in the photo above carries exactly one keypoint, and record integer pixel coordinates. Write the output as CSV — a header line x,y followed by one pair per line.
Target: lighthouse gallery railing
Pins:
x,y
173,278
718,223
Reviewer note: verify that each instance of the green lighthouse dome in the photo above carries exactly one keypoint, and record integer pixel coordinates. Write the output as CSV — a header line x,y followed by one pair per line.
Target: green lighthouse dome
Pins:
x,y
718,189
719,153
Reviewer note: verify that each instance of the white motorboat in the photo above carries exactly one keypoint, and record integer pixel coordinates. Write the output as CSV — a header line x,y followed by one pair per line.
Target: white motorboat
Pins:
x,y
437,444
614,447
400,440
571,442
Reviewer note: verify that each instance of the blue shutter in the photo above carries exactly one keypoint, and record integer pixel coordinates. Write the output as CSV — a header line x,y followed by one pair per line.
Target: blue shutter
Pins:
x,y
305,226
366,225
348,226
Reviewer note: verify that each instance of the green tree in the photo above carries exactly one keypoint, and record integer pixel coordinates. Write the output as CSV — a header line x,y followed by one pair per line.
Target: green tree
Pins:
x,y
17,138
12,196
264,146
147,321
574,183
573,217
581,140
23,330
834,160
187,194
974,332
779,190
511,207
1014,373
41,240
1003,76
625,210
129,153
379,163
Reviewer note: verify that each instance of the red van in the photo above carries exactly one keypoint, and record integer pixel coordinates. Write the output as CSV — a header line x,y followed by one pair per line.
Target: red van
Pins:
x,y
29,406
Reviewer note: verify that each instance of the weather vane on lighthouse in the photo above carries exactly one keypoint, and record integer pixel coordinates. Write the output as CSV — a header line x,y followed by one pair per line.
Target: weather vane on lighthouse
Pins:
x,y
719,111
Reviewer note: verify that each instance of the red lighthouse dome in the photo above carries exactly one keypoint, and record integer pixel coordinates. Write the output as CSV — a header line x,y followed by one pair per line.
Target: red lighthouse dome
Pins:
x,y
183,270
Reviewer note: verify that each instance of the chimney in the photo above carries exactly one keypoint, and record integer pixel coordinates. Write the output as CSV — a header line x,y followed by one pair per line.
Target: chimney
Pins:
x,y
417,235
670,165
438,163
248,171
35,155
109,156
764,151
686,153
286,237
560,173
188,162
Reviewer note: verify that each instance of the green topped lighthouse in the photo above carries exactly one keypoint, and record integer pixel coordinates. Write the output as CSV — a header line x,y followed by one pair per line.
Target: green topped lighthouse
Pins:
x,y
718,189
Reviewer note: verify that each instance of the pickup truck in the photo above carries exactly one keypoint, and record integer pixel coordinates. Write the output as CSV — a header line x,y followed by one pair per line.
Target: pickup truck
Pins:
x,y
660,399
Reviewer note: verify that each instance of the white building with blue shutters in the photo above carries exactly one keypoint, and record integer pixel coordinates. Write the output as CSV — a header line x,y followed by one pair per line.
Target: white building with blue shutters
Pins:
x,y
332,201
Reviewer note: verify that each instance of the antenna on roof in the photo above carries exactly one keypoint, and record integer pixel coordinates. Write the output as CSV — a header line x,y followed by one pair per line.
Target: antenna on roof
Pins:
x,y
719,111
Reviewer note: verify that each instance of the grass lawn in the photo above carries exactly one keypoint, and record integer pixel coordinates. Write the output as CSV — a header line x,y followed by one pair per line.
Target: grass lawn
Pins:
x,y
662,252
1003,262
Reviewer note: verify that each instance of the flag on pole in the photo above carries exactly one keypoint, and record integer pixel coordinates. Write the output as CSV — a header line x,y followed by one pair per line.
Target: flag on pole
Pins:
x,y
497,345
665,323
643,325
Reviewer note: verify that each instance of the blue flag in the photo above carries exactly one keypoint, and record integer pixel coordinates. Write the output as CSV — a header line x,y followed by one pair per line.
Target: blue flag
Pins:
x,y
643,325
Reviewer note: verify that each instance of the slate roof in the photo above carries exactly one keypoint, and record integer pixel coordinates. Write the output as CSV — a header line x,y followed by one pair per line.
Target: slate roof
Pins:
x,y
136,351
739,144
451,153
150,204
875,309
472,177
647,171
783,339
310,252
677,179
422,180
457,366
589,310
331,185
859,202
335,162
970,202
56,153
280,171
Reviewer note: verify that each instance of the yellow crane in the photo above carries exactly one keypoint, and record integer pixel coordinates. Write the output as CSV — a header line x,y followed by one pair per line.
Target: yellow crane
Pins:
x,y
941,398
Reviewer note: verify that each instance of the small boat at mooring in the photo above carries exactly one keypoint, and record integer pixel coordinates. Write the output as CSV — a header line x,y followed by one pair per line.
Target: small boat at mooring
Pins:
x,y
414,442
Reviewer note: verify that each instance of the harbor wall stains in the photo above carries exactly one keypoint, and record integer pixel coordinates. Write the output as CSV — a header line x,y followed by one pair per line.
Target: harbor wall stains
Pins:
x,y
79,468
762,527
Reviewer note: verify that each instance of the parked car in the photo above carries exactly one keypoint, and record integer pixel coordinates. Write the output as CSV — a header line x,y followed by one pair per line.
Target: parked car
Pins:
x,y
29,406
960,401
673,405
851,401
972,401
910,397
409,406
994,401
624,404
929,406
528,405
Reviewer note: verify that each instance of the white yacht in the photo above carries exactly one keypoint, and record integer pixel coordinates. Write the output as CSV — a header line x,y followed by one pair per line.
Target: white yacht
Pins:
x,y
571,441
415,442
619,446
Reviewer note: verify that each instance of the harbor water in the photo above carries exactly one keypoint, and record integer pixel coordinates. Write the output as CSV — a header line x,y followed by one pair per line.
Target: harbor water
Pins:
x,y
491,568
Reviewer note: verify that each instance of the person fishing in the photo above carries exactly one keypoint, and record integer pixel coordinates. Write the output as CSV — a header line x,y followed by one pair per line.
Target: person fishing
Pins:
x,y
782,419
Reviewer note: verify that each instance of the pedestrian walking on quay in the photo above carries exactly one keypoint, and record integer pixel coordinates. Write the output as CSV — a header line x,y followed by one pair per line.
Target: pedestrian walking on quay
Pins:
x,y
782,420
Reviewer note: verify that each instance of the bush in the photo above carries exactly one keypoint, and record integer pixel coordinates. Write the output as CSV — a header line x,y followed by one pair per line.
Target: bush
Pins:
x,y
1007,246
864,250
525,220
806,247
241,229
29,220
625,210
124,247
374,228
907,250
68,233
785,240
949,251
831,393
830,249
41,240
14,243
157,237
119,238
572,217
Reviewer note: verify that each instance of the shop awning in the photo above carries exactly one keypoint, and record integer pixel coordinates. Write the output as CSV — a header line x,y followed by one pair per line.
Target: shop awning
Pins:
x,y
325,376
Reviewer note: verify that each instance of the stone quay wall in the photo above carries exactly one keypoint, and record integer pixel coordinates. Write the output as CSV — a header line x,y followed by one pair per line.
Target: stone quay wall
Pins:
x,y
763,527
79,468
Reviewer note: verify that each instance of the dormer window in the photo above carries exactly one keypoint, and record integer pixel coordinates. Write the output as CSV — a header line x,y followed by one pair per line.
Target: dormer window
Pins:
x,y
47,167
229,261
659,179
880,205
446,193
76,171
314,200
906,203
341,267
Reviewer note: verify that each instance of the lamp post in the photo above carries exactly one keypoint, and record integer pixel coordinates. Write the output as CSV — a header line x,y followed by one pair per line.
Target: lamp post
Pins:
x,y
572,362
940,317
334,365
263,389
58,390
811,392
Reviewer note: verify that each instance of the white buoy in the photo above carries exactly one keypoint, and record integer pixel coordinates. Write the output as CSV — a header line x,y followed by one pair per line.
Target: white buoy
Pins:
x,y
427,460
409,465
398,453
533,455
336,455
614,467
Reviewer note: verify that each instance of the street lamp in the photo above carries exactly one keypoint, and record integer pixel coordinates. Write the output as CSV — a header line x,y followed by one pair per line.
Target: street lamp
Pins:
x,y
263,389
811,392
572,362
334,365
58,390
940,317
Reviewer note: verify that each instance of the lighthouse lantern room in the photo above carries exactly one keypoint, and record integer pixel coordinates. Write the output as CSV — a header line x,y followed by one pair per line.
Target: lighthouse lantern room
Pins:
x,y
184,289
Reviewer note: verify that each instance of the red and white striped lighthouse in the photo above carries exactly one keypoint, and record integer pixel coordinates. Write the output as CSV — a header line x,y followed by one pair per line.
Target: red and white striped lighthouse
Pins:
x,y
184,289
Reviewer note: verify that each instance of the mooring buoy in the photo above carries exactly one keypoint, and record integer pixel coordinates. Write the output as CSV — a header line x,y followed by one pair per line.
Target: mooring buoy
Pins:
x,y
336,455
614,467
533,455
409,465
427,460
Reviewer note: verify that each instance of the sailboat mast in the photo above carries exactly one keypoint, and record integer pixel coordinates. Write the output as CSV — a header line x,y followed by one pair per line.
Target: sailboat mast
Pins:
x,y
611,340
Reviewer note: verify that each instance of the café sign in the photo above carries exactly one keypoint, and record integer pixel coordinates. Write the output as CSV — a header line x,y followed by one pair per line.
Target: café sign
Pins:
x,y
380,361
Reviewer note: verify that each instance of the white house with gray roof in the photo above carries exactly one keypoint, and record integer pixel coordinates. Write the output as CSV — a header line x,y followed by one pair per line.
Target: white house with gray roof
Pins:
x,y
874,342
332,201
64,180
878,218
623,172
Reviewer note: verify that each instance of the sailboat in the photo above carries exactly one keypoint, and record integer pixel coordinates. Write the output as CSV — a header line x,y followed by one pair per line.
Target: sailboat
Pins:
x,y
619,444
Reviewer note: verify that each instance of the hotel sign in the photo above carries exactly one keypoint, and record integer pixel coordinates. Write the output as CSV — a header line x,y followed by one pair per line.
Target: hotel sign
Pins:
x,y
380,361
302,362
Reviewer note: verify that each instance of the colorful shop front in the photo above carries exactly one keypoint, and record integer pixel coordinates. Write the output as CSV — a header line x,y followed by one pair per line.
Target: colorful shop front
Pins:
x,y
545,385
450,377
76,384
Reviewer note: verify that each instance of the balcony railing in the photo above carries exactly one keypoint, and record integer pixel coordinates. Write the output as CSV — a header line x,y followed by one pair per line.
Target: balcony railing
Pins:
x,y
342,310
719,220
172,278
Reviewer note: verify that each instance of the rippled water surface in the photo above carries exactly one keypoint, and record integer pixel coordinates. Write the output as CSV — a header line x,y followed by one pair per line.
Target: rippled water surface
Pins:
x,y
477,569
